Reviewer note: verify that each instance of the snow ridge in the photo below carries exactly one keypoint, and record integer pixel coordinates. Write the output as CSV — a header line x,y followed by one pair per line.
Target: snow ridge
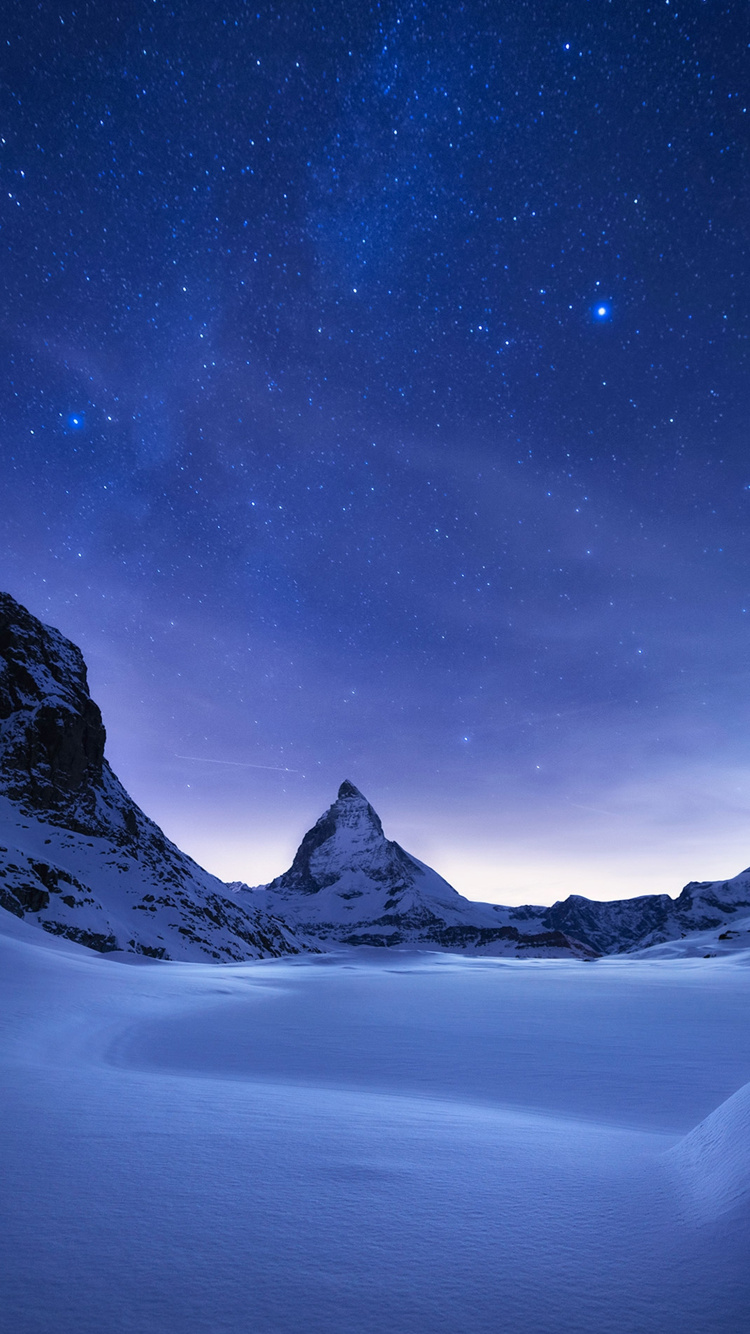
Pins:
x,y
713,1161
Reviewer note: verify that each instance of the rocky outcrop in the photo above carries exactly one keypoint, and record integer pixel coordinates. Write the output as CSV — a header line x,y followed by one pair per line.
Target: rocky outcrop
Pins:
x,y
626,925
708,903
616,926
77,856
51,731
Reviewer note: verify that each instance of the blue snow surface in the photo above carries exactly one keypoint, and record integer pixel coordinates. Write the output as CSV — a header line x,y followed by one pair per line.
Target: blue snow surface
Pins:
x,y
372,1143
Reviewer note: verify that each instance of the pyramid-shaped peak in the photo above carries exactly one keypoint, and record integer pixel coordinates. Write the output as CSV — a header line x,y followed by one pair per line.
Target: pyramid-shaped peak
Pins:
x,y
351,808
348,835
349,791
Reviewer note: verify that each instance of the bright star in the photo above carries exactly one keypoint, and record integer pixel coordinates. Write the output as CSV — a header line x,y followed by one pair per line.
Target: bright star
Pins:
x,y
602,312
76,421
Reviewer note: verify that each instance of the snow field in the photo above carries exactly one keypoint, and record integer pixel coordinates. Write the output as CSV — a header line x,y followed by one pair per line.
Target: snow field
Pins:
x,y
366,1144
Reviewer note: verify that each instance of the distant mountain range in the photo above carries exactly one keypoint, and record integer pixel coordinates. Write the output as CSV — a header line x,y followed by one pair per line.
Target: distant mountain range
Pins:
x,y
349,884
79,859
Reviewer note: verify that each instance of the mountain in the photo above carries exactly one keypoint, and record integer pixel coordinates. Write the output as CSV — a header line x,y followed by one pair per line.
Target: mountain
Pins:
x,y
348,883
627,925
78,857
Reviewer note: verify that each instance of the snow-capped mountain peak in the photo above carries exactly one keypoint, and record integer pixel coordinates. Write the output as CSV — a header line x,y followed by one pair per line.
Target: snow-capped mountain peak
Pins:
x,y
350,883
347,848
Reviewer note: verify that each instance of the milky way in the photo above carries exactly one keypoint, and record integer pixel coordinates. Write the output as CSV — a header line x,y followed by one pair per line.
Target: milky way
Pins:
x,y
375,406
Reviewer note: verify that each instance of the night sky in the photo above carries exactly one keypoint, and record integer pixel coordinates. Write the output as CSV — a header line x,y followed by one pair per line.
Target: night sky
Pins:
x,y
374,406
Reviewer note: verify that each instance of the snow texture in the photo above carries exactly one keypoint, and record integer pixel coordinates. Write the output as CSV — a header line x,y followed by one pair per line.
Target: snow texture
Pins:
x,y
387,1143
713,1161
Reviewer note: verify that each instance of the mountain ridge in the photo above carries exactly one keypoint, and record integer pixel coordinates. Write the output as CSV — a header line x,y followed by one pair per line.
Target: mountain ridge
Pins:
x,y
406,902
78,856
81,860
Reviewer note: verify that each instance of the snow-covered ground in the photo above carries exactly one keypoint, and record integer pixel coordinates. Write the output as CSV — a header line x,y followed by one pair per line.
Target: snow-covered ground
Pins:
x,y
372,1143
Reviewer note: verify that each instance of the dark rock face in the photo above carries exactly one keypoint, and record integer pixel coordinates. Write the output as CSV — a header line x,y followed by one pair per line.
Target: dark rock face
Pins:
x,y
51,731
31,898
309,875
612,927
299,876
93,940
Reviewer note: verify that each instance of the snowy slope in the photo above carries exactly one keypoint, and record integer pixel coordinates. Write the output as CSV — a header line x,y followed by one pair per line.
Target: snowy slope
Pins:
x,y
375,1142
77,856
712,1163
716,942
350,884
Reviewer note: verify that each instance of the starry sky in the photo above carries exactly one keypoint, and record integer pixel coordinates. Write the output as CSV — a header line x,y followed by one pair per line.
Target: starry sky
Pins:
x,y
374,405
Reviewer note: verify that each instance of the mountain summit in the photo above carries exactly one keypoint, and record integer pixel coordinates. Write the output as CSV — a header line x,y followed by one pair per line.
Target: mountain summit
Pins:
x,y
347,853
77,856
349,883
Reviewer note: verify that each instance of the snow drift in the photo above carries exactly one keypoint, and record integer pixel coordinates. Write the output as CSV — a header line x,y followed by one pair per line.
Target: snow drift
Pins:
x,y
713,1162
384,1143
